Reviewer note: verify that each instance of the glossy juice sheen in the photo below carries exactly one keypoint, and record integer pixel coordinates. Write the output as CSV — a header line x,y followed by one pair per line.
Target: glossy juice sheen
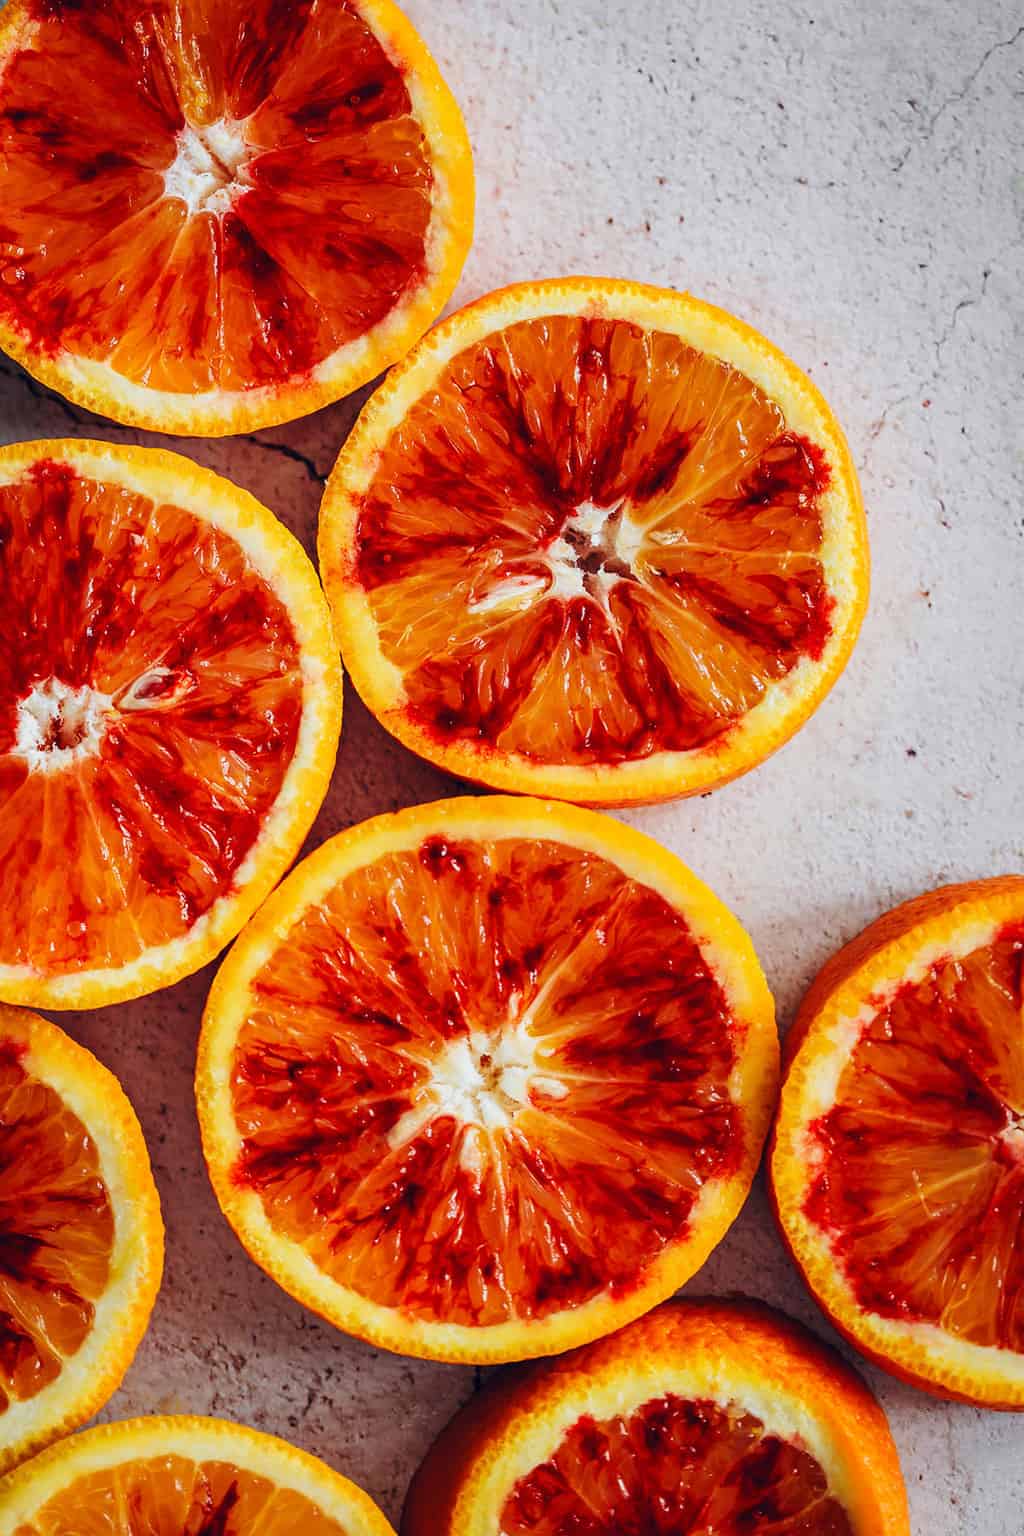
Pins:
x,y
205,196
56,1232
485,1081
669,1468
171,1495
588,542
150,702
921,1187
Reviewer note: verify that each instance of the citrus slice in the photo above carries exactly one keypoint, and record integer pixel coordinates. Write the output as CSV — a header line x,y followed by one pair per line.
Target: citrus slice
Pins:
x,y
716,1419
898,1162
170,700
596,541
166,1476
218,217
486,1078
81,1239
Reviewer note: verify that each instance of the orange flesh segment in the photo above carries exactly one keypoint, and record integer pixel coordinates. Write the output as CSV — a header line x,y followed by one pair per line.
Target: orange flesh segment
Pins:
x,y
485,1081
56,1231
173,1495
670,1468
189,660
589,542
318,232
922,1187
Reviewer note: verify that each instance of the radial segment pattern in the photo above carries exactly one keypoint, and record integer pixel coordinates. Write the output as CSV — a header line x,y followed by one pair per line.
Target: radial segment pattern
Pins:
x,y
205,194
56,1232
150,701
590,542
485,1080
173,1495
673,1467
921,1181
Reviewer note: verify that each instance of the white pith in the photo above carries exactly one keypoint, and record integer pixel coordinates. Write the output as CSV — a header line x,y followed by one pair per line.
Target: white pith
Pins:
x,y
159,476
107,1447
59,725
590,530
481,1080
984,1372
208,171
615,1393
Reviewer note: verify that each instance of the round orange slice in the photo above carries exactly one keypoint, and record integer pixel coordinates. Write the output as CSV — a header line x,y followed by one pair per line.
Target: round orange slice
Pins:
x,y
170,700
219,217
717,1419
898,1163
81,1239
165,1476
486,1079
596,541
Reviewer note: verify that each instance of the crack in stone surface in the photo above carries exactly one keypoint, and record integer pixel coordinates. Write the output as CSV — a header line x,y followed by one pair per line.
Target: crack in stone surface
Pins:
x,y
971,301
287,452
40,392
956,96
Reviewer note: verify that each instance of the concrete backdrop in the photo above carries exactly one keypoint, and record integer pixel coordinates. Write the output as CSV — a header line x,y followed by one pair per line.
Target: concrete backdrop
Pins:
x,y
851,180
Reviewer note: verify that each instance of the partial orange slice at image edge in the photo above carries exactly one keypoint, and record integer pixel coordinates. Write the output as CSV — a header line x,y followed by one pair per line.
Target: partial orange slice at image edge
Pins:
x,y
487,1078
704,1416
182,1474
596,541
897,1163
214,219
81,1237
170,702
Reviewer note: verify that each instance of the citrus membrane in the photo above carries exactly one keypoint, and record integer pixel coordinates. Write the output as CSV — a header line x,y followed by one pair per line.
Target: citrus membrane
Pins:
x,y
215,217
716,1417
583,548
166,1476
80,1234
905,1207
920,1181
166,715
481,1083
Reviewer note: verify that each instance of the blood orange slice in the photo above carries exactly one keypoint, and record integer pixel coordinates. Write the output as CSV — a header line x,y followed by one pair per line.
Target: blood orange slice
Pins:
x,y
166,1476
218,217
596,541
81,1240
720,1419
898,1163
170,700
486,1078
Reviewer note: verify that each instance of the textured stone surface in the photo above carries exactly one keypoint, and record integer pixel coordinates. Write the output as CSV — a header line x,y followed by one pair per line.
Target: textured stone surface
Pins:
x,y
849,179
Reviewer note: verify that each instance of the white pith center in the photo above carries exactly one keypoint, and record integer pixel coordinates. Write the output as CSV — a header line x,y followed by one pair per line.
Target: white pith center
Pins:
x,y
1012,1138
595,550
59,725
482,1080
208,171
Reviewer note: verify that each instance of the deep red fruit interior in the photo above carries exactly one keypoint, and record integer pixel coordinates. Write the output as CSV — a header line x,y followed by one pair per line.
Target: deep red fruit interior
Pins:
x,y
671,1468
486,1080
588,543
321,226
116,838
56,1231
921,1189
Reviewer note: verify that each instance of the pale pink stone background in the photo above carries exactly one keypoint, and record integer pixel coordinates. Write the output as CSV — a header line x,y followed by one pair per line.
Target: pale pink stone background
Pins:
x,y
849,178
